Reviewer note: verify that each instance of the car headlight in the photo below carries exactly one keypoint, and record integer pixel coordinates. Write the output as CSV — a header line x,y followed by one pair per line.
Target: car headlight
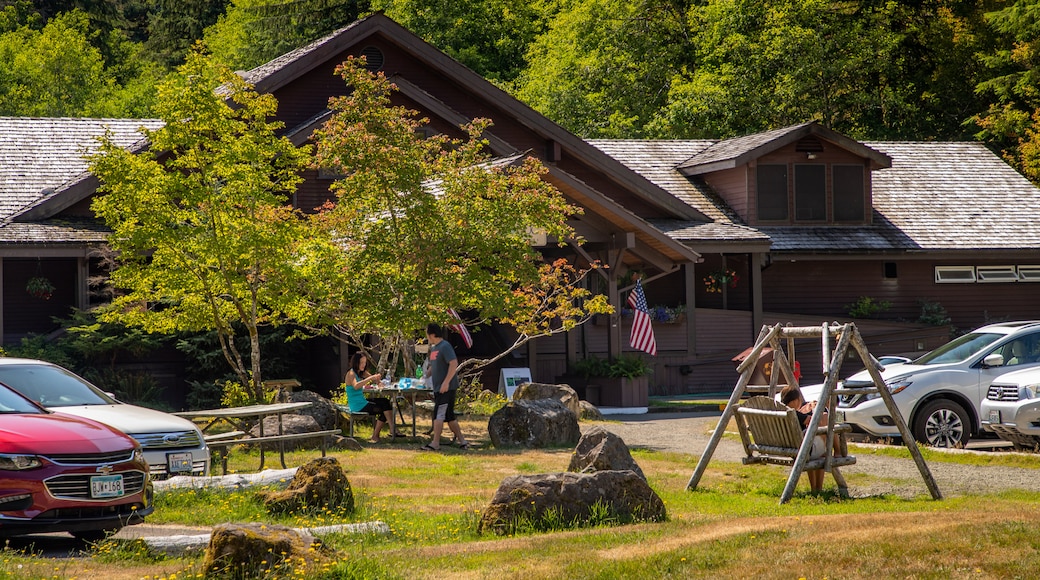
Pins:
x,y
894,386
12,462
1031,391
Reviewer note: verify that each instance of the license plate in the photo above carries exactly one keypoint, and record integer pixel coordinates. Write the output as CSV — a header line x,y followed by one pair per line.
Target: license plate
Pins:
x,y
178,462
106,486
839,416
994,417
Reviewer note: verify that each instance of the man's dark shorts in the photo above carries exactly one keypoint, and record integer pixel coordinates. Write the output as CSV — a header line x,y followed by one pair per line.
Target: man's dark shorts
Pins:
x,y
444,406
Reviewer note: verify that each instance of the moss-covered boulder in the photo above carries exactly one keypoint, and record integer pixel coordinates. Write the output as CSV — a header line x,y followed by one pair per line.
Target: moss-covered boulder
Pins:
x,y
561,500
319,484
257,550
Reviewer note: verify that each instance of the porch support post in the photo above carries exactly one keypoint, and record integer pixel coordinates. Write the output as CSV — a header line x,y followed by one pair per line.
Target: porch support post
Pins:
x,y
691,308
756,290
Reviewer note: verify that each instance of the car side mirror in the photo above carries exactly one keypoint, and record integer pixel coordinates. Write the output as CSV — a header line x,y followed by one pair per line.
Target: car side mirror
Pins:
x,y
993,360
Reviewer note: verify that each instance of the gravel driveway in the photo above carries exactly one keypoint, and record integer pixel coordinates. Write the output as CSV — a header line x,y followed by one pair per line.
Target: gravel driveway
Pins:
x,y
689,433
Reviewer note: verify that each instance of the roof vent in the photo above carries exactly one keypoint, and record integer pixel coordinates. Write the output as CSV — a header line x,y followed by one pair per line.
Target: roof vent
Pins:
x,y
373,58
809,145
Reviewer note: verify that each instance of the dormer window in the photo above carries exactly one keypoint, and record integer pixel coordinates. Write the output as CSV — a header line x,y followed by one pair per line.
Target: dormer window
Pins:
x,y
818,193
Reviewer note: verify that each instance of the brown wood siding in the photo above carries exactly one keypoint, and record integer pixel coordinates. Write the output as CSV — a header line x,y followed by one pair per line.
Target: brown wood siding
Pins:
x,y
313,192
836,284
734,186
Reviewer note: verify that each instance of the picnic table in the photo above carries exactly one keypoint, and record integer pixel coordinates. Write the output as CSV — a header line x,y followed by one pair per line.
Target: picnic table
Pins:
x,y
241,418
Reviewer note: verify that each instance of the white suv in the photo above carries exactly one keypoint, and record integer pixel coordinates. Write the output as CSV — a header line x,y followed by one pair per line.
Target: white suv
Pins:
x,y
939,394
1011,408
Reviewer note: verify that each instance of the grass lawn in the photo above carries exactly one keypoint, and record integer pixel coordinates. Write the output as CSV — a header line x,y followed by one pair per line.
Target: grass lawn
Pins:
x,y
731,527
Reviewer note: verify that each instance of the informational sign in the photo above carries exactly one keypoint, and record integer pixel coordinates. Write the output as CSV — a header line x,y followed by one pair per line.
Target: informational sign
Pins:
x,y
512,378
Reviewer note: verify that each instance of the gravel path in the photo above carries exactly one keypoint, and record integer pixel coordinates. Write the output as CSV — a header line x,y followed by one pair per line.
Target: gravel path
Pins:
x,y
687,433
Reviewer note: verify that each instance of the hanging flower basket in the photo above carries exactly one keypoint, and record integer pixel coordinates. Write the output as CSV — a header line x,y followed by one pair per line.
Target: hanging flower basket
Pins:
x,y
40,287
717,280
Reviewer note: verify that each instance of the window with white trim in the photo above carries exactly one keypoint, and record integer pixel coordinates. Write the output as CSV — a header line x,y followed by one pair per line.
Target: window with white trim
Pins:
x,y
996,274
1029,273
954,274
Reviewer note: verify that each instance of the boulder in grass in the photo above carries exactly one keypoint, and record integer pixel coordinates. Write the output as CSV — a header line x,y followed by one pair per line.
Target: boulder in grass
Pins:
x,y
562,393
601,450
323,410
534,425
547,501
589,412
291,424
256,550
320,484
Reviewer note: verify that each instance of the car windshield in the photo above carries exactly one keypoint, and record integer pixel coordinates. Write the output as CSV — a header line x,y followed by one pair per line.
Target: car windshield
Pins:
x,y
12,402
960,349
51,386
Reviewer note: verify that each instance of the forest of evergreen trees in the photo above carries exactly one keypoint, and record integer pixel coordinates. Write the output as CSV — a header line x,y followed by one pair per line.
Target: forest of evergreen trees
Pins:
x,y
871,69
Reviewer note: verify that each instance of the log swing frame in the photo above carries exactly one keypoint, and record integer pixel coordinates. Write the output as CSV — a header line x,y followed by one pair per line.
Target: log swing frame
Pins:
x,y
847,336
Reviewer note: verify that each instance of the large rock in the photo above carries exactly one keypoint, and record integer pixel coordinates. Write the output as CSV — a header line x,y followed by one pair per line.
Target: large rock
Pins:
x,y
562,393
534,424
323,410
319,484
291,424
547,500
589,412
256,550
601,450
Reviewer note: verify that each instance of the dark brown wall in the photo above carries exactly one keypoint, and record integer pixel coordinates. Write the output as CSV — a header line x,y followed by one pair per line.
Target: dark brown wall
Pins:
x,y
833,284
25,314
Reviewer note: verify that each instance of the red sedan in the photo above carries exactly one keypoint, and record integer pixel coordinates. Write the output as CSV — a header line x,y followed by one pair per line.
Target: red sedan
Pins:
x,y
60,473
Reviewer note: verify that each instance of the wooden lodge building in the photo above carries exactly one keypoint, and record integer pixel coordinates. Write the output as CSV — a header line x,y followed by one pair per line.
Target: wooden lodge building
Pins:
x,y
808,220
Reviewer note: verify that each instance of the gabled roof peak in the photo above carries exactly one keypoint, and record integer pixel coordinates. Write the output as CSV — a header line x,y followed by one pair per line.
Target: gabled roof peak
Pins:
x,y
730,153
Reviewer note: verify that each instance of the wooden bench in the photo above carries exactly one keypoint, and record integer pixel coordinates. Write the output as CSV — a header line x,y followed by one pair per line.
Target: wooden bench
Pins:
x,y
771,433
349,417
223,444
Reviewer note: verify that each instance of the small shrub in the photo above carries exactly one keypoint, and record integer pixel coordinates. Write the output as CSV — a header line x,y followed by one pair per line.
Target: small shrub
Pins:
x,y
932,313
630,366
867,307
591,366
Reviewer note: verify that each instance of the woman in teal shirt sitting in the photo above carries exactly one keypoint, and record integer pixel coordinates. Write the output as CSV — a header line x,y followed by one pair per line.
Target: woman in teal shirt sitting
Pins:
x,y
357,378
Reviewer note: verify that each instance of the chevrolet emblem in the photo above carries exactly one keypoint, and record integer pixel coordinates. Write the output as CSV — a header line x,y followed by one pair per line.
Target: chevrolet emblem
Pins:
x,y
105,469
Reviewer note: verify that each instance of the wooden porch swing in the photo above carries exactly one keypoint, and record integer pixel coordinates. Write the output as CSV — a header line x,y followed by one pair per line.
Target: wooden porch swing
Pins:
x,y
771,432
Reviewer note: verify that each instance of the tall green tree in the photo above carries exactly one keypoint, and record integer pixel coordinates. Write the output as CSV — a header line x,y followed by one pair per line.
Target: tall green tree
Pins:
x,y
1011,122
489,36
604,67
175,25
253,32
201,221
425,225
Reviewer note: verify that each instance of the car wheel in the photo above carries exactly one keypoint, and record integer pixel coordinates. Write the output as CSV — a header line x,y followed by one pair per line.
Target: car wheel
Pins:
x,y
942,423
92,536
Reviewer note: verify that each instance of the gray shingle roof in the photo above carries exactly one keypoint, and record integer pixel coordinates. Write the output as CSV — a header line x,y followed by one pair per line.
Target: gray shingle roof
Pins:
x,y
55,231
934,196
46,153
656,161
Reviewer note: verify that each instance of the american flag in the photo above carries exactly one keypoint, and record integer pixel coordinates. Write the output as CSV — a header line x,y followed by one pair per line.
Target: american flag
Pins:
x,y
642,336
461,328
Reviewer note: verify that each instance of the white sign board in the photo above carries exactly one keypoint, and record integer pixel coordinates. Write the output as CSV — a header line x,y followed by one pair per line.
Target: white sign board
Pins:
x,y
510,379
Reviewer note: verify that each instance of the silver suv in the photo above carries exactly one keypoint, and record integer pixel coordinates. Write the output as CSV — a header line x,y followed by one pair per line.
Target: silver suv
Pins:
x,y
1012,408
939,394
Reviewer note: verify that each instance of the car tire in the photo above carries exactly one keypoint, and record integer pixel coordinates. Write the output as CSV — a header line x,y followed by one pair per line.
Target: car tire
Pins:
x,y
942,423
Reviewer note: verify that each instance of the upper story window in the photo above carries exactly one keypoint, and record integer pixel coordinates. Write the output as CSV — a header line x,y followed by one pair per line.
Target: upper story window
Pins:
x,y
818,193
772,192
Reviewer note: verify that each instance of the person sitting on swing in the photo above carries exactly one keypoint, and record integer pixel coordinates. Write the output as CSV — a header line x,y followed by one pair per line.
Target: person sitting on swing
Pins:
x,y
791,396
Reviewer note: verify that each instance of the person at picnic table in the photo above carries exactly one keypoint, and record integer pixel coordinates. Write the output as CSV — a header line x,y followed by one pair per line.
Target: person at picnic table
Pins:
x,y
444,366
358,377
791,396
